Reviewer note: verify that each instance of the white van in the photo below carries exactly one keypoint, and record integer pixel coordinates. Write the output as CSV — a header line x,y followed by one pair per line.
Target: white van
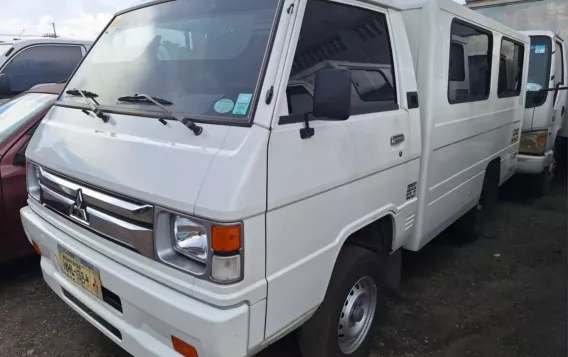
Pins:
x,y
546,101
249,166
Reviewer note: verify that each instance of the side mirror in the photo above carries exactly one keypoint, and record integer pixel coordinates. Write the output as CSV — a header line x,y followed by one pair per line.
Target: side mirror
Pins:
x,y
5,87
332,94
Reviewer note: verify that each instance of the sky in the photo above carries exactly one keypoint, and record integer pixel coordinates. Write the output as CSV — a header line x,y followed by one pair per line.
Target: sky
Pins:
x,y
79,19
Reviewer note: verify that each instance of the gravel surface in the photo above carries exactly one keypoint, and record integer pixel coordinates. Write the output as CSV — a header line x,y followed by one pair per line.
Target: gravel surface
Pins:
x,y
504,295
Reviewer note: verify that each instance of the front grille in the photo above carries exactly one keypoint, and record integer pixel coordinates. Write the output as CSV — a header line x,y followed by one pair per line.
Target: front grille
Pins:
x,y
110,328
124,221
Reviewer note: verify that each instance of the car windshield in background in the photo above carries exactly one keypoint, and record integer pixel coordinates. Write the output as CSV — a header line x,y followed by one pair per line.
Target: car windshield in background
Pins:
x,y
539,64
203,56
19,110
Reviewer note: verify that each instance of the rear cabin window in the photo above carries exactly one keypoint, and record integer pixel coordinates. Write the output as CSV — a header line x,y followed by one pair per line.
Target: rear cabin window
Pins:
x,y
470,63
341,36
457,62
510,69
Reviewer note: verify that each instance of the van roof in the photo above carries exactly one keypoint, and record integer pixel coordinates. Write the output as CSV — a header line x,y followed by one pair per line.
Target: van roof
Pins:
x,y
447,5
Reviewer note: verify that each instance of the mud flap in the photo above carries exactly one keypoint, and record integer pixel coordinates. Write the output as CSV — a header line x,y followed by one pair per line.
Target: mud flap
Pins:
x,y
393,271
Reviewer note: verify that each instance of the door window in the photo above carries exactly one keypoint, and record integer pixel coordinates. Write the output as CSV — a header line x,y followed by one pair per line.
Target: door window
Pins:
x,y
19,110
477,44
341,36
510,69
300,101
41,64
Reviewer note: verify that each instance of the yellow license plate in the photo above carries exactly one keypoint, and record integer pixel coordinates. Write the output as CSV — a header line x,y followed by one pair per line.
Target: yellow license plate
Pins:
x,y
81,272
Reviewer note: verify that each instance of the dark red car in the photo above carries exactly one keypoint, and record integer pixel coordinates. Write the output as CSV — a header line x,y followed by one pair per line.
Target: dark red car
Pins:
x,y
18,119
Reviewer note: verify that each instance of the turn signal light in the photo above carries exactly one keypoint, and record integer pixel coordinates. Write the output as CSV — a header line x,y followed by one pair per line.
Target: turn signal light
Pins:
x,y
36,247
184,348
226,238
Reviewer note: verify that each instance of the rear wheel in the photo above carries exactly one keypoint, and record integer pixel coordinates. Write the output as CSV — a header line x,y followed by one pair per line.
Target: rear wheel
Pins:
x,y
344,323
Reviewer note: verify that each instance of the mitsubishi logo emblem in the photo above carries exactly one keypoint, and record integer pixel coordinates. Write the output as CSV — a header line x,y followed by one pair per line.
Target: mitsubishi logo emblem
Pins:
x,y
79,208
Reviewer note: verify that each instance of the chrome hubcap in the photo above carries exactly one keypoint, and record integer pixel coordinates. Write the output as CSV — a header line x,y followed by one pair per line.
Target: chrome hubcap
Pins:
x,y
357,315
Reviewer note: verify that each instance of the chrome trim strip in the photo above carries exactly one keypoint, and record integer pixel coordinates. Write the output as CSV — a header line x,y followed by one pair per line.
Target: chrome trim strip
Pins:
x,y
129,210
138,238
60,195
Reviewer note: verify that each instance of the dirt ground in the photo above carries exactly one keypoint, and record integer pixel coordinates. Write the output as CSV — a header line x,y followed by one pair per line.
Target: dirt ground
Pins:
x,y
504,295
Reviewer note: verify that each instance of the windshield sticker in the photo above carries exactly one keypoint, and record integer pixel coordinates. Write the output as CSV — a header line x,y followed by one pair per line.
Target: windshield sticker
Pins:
x,y
243,103
539,49
224,106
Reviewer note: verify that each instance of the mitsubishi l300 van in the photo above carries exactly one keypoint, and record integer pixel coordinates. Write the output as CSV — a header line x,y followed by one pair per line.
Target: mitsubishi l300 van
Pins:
x,y
220,173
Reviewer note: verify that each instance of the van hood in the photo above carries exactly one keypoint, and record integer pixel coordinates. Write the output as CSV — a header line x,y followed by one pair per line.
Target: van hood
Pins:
x,y
132,156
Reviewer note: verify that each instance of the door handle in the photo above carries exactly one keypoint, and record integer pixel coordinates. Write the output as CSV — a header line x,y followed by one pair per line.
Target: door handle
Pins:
x,y
397,139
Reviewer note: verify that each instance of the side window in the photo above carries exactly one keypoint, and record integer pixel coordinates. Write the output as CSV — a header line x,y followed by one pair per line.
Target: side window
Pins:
x,y
474,55
41,64
559,68
457,62
510,68
341,36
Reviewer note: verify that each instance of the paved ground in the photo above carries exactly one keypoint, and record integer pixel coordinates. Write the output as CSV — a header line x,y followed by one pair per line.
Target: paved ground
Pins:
x,y
504,295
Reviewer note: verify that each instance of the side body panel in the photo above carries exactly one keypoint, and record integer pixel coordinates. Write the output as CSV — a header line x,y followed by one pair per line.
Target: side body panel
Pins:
x,y
459,140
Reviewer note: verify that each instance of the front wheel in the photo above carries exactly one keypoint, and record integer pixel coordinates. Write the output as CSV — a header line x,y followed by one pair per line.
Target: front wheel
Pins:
x,y
344,323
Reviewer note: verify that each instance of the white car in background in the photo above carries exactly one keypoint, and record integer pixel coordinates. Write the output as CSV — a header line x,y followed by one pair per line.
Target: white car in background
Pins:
x,y
26,63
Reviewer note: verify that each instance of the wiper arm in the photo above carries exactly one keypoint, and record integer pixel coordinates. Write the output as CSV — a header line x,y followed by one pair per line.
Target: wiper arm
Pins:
x,y
139,98
197,130
94,107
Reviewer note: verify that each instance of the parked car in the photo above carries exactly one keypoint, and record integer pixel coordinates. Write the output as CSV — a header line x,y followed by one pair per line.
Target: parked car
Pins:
x,y
25,63
218,174
19,118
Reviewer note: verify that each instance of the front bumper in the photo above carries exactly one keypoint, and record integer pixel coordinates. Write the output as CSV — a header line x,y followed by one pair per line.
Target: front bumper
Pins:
x,y
151,313
533,165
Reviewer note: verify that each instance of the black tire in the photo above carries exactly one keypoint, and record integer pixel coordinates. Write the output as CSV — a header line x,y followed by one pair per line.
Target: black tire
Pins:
x,y
469,227
542,183
319,336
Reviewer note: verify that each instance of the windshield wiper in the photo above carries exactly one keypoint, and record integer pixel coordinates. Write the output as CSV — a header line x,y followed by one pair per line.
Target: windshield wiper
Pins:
x,y
140,98
144,98
94,107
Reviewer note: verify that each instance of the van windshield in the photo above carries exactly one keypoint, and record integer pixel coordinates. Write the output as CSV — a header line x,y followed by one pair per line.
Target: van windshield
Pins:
x,y
539,64
205,57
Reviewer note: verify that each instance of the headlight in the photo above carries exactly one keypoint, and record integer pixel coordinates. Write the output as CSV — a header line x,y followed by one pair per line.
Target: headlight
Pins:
x,y
32,180
190,239
533,143
203,248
